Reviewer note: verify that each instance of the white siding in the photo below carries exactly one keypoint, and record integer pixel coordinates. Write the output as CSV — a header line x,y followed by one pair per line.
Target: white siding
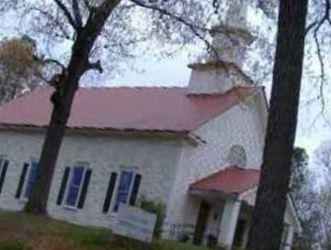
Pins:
x,y
155,159
239,125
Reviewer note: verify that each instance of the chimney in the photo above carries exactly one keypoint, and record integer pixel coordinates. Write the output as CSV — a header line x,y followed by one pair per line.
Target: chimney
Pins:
x,y
221,71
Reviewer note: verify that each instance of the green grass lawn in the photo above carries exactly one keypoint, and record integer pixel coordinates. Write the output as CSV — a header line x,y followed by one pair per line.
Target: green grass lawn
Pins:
x,y
20,231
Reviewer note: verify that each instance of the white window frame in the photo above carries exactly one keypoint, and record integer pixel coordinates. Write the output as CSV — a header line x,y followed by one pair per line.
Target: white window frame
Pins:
x,y
85,168
23,198
119,174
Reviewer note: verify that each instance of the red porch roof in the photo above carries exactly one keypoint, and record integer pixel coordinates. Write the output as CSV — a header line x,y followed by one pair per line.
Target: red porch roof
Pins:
x,y
232,180
151,109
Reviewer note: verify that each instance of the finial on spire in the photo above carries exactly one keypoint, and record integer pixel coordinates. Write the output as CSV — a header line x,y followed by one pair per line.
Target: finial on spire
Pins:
x,y
236,15
232,36
221,71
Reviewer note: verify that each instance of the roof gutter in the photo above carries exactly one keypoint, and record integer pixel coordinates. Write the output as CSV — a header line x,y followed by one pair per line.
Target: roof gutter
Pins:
x,y
186,136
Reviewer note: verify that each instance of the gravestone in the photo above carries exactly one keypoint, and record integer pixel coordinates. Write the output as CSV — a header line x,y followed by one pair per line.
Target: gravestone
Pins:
x,y
135,223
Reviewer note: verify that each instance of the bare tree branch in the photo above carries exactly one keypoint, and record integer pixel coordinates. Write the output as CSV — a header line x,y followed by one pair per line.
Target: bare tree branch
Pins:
x,y
50,17
88,5
100,15
322,76
77,13
95,66
42,77
316,26
194,28
67,14
53,61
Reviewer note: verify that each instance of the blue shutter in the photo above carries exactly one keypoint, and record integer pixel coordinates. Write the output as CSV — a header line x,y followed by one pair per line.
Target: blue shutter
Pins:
x,y
135,190
63,186
84,188
123,189
21,181
3,173
110,191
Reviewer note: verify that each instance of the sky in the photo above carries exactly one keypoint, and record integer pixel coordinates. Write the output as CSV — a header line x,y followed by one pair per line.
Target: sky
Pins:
x,y
174,72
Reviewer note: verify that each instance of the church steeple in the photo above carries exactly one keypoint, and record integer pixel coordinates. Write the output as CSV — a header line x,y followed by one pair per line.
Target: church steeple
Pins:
x,y
221,69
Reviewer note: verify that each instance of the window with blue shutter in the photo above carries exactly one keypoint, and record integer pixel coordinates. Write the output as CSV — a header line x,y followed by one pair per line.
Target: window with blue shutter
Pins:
x,y
31,179
74,187
123,189
127,188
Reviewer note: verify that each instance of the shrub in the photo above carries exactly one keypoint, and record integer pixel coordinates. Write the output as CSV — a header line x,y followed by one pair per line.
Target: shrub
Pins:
x,y
157,208
184,238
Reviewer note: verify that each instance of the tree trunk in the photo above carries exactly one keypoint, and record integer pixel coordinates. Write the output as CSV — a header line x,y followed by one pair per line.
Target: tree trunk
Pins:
x,y
268,215
38,200
62,99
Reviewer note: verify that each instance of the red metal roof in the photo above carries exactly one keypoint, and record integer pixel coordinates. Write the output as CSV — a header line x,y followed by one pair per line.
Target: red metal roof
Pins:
x,y
143,108
232,180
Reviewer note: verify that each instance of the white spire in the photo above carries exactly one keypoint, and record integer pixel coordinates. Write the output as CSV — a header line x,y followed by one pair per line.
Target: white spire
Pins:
x,y
231,37
236,15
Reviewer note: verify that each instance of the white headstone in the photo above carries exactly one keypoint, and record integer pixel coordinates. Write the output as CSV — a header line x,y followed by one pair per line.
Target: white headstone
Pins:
x,y
135,223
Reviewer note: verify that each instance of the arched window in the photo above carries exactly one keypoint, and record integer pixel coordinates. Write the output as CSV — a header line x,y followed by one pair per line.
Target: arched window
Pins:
x,y
237,156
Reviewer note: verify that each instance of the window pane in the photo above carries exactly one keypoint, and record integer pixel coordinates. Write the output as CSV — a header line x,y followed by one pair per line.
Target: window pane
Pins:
x,y
74,185
77,175
123,188
72,196
31,180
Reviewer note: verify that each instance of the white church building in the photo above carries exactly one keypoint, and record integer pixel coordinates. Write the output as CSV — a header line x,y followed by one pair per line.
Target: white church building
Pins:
x,y
198,150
